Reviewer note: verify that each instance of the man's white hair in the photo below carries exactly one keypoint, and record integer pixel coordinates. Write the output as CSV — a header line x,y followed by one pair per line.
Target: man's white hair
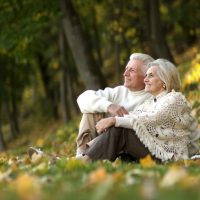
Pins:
x,y
145,58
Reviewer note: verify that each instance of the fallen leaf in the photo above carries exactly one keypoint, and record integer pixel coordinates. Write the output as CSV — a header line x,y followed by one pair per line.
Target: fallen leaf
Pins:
x,y
40,142
97,176
28,187
147,162
174,175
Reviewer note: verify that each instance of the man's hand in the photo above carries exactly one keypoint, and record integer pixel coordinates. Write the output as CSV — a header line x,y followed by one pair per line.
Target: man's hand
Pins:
x,y
116,110
104,124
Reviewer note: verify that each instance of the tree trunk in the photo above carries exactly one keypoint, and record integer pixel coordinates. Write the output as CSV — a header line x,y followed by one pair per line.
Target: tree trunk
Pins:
x,y
117,62
50,92
96,38
154,30
66,114
2,142
90,73
12,117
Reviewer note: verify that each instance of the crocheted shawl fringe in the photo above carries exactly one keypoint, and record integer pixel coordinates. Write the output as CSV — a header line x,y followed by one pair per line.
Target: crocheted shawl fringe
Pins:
x,y
149,142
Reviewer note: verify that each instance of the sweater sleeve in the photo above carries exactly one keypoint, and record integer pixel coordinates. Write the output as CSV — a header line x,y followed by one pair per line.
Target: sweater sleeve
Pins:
x,y
125,122
92,101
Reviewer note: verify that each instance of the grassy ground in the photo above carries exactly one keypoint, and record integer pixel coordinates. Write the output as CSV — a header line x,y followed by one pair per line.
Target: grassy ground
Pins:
x,y
48,177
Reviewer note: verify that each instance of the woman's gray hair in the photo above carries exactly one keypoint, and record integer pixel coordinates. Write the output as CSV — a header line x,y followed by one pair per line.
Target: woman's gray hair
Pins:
x,y
168,73
145,58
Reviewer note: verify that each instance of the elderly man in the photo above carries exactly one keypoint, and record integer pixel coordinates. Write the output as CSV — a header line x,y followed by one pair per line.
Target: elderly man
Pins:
x,y
112,101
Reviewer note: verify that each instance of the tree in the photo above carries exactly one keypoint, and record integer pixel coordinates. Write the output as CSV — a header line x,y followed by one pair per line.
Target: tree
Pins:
x,y
157,40
2,142
90,73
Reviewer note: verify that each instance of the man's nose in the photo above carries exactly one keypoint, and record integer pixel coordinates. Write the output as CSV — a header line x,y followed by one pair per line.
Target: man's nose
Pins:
x,y
146,79
126,72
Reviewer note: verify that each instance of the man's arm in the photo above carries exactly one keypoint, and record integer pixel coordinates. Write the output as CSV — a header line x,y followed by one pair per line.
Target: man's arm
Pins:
x,y
116,110
92,101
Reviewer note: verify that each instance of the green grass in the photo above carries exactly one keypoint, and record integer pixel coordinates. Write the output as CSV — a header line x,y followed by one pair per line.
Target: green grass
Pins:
x,y
67,178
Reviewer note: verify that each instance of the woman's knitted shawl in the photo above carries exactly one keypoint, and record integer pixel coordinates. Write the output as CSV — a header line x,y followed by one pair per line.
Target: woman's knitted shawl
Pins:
x,y
165,126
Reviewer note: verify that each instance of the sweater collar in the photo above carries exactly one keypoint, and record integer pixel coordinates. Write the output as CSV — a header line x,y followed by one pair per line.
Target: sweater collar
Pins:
x,y
155,98
138,92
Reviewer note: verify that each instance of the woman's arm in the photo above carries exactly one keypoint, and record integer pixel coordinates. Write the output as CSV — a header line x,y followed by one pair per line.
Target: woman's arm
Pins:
x,y
104,124
124,122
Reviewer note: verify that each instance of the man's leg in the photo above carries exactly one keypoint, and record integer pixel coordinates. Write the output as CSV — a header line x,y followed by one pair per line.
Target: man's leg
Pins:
x,y
87,131
108,145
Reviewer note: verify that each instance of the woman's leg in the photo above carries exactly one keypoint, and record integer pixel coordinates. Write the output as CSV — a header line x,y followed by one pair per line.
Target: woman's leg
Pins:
x,y
115,141
108,145
133,145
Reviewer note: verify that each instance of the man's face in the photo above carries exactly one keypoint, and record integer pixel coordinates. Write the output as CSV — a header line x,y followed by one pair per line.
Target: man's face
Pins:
x,y
133,76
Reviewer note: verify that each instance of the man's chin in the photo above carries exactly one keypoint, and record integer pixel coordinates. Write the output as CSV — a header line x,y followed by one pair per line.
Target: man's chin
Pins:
x,y
126,86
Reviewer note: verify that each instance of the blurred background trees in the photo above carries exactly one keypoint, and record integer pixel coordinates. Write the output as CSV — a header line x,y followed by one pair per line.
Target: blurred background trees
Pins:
x,y
50,51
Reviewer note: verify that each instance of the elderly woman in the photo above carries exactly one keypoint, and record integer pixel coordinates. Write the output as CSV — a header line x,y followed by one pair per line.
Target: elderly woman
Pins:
x,y
162,126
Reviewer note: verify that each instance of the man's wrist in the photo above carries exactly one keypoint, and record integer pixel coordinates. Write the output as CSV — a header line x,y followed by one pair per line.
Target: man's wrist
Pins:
x,y
108,108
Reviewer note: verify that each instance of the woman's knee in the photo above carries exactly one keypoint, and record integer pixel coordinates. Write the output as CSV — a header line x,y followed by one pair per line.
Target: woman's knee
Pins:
x,y
115,131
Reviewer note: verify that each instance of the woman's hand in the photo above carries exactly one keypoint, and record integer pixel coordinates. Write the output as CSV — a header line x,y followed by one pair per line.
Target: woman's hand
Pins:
x,y
104,124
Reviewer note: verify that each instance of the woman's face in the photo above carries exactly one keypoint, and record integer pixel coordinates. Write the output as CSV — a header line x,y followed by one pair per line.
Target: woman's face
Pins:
x,y
153,84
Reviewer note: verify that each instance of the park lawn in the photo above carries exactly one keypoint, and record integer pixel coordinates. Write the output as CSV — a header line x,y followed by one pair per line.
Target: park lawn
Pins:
x,y
56,174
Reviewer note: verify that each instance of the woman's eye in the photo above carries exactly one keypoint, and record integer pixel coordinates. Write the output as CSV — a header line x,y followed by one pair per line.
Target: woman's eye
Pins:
x,y
149,75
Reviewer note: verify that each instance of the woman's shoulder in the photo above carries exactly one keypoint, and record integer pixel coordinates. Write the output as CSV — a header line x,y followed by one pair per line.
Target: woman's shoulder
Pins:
x,y
176,98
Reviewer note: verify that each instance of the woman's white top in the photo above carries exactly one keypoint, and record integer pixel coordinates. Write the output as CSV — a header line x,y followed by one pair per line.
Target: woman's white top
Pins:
x,y
165,126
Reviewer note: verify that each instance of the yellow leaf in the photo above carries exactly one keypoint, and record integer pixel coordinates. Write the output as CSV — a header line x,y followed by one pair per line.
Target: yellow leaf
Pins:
x,y
190,181
174,175
147,162
98,175
40,142
27,187
40,167
118,176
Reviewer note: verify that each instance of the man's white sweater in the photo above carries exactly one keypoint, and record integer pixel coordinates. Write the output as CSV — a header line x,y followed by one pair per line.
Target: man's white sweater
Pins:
x,y
98,101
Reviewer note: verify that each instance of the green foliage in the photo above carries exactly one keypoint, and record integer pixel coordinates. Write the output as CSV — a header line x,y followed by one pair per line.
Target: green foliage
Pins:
x,y
24,23
191,85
